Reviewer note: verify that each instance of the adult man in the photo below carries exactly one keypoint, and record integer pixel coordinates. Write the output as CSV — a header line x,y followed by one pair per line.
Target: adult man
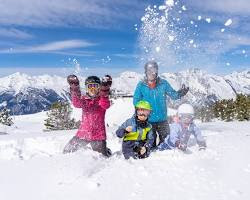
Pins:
x,y
154,90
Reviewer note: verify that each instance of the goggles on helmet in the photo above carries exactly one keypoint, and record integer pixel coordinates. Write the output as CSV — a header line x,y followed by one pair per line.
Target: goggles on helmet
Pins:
x,y
93,85
186,118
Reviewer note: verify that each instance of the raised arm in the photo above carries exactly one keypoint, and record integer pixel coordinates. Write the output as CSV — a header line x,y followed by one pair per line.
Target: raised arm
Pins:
x,y
175,94
170,91
75,91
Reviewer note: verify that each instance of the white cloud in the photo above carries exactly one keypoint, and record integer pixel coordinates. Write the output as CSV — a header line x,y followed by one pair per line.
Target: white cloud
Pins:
x,y
14,33
221,43
46,13
226,6
121,55
52,47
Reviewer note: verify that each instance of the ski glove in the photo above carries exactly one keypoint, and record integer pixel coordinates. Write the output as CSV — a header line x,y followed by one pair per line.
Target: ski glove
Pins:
x,y
107,80
180,145
105,85
183,91
141,151
202,145
74,84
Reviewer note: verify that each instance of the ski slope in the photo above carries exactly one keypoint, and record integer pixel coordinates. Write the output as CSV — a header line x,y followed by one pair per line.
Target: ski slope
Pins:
x,y
33,167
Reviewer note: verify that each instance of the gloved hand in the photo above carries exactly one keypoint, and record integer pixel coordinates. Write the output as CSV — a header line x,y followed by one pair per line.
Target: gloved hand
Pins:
x,y
105,85
180,145
107,80
183,91
202,145
73,81
74,84
129,129
143,150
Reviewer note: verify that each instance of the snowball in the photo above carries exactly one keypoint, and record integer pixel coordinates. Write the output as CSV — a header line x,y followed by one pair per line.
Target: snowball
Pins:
x,y
191,41
243,51
228,22
170,3
199,17
162,7
222,30
157,49
184,8
171,38
208,20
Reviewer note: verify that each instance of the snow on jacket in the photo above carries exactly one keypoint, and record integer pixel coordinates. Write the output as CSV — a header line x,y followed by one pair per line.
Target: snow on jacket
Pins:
x,y
179,133
156,97
129,145
93,113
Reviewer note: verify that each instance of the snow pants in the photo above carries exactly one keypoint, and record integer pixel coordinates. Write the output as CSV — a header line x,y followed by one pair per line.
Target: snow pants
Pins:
x,y
160,129
76,143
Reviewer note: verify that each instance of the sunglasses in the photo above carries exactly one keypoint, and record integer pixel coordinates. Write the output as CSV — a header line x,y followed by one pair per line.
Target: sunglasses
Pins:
x,y
93,85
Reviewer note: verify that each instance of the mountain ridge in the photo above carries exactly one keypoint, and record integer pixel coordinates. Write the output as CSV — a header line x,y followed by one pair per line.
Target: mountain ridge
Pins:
x,y
24,94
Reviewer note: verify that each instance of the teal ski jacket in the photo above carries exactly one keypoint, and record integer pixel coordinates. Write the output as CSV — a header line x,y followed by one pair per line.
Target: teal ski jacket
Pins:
x,y
157,97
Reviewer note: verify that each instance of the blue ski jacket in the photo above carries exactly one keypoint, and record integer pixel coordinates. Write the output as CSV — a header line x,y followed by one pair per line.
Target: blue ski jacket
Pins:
x,y
130,143
157,97
181,134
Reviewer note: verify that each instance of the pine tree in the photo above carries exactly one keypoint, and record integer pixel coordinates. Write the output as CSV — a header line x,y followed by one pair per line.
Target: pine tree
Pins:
x,y
229,110
5,117
242,104
205,114
59,117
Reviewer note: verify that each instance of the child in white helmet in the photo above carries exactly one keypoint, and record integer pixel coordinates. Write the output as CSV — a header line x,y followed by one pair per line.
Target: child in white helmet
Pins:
x,y
181,130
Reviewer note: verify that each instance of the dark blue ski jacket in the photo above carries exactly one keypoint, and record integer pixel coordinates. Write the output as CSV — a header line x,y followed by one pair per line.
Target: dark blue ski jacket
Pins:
x,y
128,146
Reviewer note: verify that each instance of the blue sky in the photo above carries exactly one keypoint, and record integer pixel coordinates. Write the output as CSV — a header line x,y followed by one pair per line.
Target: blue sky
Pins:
x,y
100,36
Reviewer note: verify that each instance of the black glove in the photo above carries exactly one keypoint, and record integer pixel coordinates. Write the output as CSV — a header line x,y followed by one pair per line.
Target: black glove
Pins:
x,y
142,151
105,85
107,80
74,84
202,145
181,145
183,91
72,80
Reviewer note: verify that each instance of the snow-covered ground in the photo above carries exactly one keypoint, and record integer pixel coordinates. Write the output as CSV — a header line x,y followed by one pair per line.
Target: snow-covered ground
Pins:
x,y
33,167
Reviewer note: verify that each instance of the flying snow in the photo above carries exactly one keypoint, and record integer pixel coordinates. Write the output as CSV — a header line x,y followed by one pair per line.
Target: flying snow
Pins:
x,y
208,20
228,22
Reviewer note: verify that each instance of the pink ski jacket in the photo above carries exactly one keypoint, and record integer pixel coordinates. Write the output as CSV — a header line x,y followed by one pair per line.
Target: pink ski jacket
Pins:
x,y
93,113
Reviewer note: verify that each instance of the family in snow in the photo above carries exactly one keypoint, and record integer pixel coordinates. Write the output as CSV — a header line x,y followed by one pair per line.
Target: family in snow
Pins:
x,y
147,130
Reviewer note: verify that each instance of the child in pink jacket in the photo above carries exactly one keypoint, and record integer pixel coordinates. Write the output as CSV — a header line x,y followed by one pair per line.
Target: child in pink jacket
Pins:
x,y
94,104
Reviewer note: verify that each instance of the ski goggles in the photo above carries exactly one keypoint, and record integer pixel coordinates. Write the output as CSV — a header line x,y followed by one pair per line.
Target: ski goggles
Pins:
x,y
93,85
142,112
186,118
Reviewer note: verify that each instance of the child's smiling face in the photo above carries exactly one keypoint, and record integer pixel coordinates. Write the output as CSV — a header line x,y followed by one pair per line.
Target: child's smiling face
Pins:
x,y
93,89
142,114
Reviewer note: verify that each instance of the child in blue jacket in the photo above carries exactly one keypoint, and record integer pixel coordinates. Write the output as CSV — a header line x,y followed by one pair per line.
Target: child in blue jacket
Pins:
x,y
137,133
181,130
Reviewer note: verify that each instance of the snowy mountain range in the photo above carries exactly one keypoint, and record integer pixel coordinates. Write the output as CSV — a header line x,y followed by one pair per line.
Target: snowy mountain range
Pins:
x,y
24,94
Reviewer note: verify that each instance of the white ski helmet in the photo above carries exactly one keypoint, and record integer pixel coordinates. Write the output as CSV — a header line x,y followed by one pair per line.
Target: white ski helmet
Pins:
x,y
185,109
